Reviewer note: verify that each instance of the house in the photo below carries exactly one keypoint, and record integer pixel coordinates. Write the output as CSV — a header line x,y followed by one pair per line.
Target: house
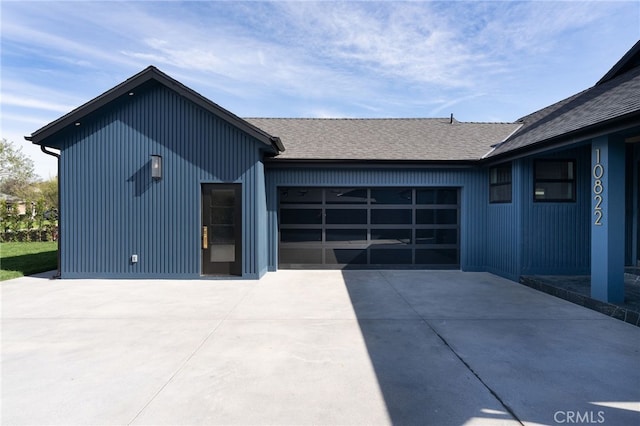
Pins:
x,y
159,182
19,204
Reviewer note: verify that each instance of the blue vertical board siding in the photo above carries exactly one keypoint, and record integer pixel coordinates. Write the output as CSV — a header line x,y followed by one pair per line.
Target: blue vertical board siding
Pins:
x,y
504,228
471,181
528,238
556,237
111,208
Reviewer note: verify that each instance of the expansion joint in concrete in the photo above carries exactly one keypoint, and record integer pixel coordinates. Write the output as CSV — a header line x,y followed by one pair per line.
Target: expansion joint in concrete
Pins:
x,y
491,391
444,341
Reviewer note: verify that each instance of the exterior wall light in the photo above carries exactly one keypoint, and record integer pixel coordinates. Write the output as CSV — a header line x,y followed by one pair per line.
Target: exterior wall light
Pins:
x,y
156,167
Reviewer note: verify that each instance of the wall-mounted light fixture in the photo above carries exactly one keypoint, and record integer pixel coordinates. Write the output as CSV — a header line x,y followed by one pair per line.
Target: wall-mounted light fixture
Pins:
x,y
156,167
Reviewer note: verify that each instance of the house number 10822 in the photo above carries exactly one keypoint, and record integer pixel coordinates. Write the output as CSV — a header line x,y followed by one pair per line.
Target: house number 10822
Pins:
x,y
598,189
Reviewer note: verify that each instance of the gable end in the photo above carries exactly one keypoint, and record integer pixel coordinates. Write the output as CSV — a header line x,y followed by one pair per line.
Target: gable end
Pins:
x,y
148,75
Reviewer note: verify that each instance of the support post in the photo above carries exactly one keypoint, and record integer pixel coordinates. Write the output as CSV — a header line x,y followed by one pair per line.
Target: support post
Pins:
x,y
607,219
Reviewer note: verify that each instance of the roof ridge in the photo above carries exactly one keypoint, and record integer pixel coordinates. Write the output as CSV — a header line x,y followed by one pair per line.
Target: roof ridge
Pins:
x,y
348,118
376,119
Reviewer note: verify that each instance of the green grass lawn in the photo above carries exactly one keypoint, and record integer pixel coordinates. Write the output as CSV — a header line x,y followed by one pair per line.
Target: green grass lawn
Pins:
x,y
19,259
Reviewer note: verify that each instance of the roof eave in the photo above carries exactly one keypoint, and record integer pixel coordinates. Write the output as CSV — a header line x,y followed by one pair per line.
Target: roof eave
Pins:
x,y
129,85
496,146
307,162
91,106
581,135
613,72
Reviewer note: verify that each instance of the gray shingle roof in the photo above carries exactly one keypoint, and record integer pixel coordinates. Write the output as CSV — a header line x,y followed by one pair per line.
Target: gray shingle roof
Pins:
x,y
411,139
614,99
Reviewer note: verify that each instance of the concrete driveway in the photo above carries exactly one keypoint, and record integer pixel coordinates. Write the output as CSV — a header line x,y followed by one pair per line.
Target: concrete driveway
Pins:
x,y
312,347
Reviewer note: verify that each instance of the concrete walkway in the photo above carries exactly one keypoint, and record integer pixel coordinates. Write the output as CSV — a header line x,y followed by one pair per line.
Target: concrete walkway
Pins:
x,y
312,347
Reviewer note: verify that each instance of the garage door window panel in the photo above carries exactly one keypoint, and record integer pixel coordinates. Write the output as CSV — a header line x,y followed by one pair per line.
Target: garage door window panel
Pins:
x,y
346,216
437,196
392,196
391,216
301,256
391,257
300,235
436,216
391,236
301,196
436,256
301,216
345,257
436,236
355,236
369,227
346,196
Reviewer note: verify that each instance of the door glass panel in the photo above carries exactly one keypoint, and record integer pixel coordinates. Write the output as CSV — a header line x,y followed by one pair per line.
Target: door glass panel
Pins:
x,y
221,230
221,234
223,252
222,215
390,217
223,197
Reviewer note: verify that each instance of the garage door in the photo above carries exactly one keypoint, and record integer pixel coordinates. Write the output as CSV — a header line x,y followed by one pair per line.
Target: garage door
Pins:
x,y
369,228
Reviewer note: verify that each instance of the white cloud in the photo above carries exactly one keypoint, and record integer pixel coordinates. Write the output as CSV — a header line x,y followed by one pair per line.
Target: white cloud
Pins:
x,y
398,41
27,102
482,60
386,58
54,46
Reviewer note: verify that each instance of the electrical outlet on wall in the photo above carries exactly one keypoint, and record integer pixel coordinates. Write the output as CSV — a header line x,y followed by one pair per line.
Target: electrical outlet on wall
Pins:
x,y
134,258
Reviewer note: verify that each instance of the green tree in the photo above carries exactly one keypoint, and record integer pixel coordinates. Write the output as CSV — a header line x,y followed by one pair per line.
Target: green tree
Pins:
x,y
39,209
48,190
4,219
17,173
13,222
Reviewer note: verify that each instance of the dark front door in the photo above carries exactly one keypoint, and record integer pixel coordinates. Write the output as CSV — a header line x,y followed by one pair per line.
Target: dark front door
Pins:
x,y
221,237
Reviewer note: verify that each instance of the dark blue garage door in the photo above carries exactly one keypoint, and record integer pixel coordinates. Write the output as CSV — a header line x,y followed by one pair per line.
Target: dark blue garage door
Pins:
x,y
369,228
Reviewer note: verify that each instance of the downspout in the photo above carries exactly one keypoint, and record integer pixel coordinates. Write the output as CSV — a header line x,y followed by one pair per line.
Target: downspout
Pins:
x,y
44,149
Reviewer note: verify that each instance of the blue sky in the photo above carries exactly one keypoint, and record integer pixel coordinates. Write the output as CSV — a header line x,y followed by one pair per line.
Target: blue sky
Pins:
x,y
481,61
